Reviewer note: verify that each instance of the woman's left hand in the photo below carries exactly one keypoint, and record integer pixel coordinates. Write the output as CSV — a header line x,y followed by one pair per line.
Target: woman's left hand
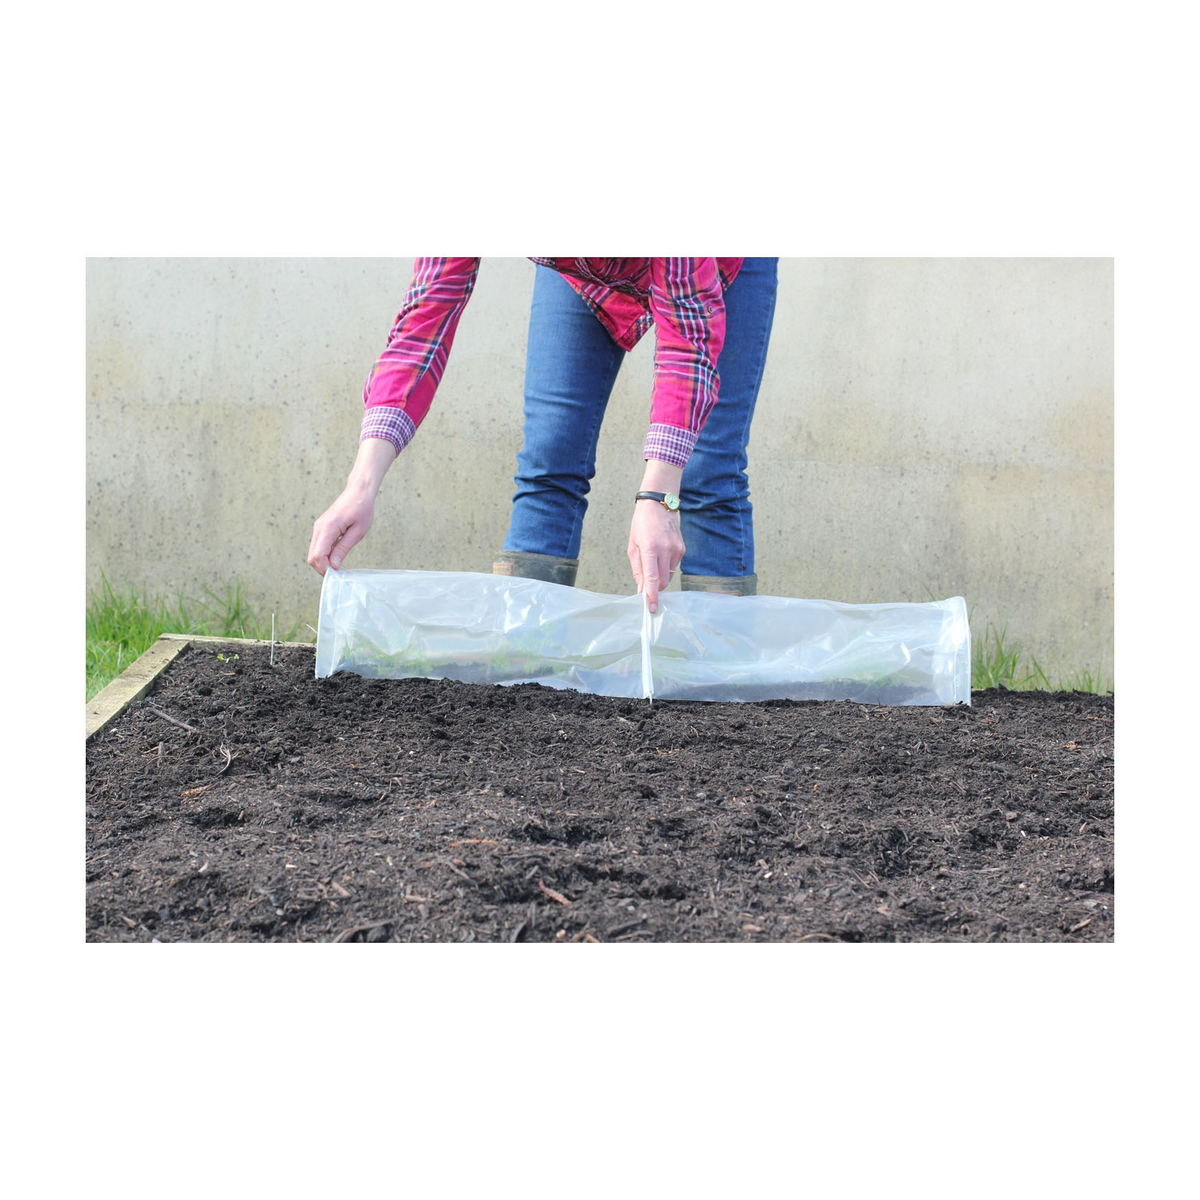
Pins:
x,y
655,541
655,548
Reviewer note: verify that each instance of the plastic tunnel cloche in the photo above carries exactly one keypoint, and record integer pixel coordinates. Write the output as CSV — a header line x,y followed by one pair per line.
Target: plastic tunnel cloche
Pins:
x,y
498,629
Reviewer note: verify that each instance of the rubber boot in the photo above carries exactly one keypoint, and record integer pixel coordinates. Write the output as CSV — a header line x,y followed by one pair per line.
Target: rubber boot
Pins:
x,y
536,566
731,585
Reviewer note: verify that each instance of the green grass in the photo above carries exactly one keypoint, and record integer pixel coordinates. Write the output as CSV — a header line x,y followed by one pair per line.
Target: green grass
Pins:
x,y
121,625
996,662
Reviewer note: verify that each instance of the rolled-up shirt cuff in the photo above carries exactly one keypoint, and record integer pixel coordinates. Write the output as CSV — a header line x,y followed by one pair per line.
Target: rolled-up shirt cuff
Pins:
x,y
392,424
666,443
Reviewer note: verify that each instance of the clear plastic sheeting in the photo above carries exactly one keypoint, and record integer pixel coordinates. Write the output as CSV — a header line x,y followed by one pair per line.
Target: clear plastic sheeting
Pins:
x,y
698,646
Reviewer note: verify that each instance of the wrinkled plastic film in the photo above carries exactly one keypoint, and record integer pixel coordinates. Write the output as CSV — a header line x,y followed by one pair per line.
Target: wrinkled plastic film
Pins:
x,y
699,646
647,654
479,629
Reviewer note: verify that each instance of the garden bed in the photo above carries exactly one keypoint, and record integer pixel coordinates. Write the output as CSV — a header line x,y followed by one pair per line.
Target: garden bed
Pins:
x,y
243,801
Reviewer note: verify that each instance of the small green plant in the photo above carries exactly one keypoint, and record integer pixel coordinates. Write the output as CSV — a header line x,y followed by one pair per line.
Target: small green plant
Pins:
x,y
121,625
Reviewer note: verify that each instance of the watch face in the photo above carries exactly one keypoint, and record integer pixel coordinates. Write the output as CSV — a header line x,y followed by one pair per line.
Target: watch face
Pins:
x,y
671,501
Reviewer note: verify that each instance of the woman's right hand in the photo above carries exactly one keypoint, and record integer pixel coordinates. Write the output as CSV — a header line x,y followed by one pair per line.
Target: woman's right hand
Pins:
x,y
339,529
345,522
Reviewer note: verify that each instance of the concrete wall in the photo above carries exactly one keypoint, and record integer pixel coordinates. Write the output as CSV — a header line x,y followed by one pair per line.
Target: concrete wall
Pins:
x,y
926,427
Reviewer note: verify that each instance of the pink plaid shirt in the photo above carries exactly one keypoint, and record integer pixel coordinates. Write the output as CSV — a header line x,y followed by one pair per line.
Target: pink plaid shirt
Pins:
x,y
682,298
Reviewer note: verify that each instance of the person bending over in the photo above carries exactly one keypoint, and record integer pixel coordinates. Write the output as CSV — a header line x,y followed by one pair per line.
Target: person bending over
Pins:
x,y
586,314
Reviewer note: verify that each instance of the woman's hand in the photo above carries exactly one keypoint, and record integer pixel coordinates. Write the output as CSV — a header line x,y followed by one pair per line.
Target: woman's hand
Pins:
x,y
345,522
655,542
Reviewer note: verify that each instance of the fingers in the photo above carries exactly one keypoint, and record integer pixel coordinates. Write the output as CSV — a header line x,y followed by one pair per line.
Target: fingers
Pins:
x,y
320,546
335,533
651,578
330,546
655,551
655,575
324,549
345,544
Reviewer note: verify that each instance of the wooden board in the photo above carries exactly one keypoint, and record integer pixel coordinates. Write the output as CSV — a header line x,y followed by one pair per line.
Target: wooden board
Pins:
x,y
195,639
138,678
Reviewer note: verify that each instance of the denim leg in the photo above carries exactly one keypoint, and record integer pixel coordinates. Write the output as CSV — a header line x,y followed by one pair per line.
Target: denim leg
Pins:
x,y
571,364
716,517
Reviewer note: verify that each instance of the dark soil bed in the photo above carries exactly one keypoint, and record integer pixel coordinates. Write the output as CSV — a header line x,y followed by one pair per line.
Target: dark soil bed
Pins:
x,y
348,809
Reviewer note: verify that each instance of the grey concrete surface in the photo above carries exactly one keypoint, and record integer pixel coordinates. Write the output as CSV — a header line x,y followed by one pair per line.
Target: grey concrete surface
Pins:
x,y
926,428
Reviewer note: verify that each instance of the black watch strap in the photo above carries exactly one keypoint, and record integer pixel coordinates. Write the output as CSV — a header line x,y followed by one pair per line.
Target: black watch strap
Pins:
x,y
667,499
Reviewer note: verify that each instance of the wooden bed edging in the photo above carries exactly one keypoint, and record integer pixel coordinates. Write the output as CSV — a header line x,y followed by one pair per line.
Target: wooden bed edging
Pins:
x,y
138,678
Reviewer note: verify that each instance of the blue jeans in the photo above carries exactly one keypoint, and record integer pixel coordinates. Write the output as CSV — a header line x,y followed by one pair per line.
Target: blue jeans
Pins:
x,y
570,367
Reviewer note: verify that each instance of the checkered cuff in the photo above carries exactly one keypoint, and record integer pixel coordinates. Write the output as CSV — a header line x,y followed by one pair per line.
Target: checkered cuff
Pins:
x,y
389,422
668,444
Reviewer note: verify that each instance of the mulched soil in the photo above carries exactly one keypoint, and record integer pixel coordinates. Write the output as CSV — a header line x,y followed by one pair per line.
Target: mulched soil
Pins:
x,y
348,809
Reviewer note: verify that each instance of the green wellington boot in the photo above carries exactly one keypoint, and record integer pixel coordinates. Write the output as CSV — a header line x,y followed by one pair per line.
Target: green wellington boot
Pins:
x,y
536,566
731,585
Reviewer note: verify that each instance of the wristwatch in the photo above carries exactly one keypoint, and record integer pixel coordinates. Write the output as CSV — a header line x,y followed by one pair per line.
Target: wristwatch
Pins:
x,y
667,499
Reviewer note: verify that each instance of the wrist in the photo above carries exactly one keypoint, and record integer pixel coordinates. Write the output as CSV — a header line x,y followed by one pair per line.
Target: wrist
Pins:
x,y
661,477
371,464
